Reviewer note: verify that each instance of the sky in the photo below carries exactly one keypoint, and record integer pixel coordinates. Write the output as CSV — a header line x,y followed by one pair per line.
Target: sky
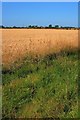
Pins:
x,y
40,13
0,13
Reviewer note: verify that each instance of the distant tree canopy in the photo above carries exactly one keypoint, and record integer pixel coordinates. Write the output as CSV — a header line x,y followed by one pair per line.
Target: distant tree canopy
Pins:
x,y
14,27
56,26
50,26
2,26
39,27
29,26
32,26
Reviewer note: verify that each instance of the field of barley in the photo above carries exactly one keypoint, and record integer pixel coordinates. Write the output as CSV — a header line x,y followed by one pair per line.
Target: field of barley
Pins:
x,y
20,42
40,73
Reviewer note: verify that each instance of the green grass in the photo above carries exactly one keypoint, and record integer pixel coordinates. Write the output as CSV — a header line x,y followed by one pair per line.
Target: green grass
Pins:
x,y
42,87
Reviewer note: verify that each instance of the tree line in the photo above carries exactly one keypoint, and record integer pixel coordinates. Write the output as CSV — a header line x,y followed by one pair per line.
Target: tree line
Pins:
x,y
39,27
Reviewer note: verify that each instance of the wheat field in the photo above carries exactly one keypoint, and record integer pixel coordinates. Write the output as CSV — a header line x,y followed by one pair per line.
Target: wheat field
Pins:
x,y
17,43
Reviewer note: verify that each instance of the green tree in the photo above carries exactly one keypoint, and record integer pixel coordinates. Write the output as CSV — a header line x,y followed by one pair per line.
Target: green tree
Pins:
x,y
14,27
29,26
50,26
56,26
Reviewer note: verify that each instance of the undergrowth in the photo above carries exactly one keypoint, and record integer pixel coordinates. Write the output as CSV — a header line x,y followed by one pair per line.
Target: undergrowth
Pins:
x,y
45,87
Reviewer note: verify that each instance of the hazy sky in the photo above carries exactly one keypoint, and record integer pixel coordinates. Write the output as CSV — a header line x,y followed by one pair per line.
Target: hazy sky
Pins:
x,y
40,13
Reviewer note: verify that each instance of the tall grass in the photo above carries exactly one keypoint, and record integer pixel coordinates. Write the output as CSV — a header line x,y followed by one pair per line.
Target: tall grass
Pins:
x,y
45,87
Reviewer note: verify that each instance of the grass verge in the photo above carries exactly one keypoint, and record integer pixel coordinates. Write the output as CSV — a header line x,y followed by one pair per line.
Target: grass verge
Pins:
x,y
42,87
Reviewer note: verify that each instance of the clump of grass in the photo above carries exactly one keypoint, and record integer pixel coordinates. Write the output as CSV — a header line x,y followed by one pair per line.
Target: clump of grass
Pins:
x,y
46,87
